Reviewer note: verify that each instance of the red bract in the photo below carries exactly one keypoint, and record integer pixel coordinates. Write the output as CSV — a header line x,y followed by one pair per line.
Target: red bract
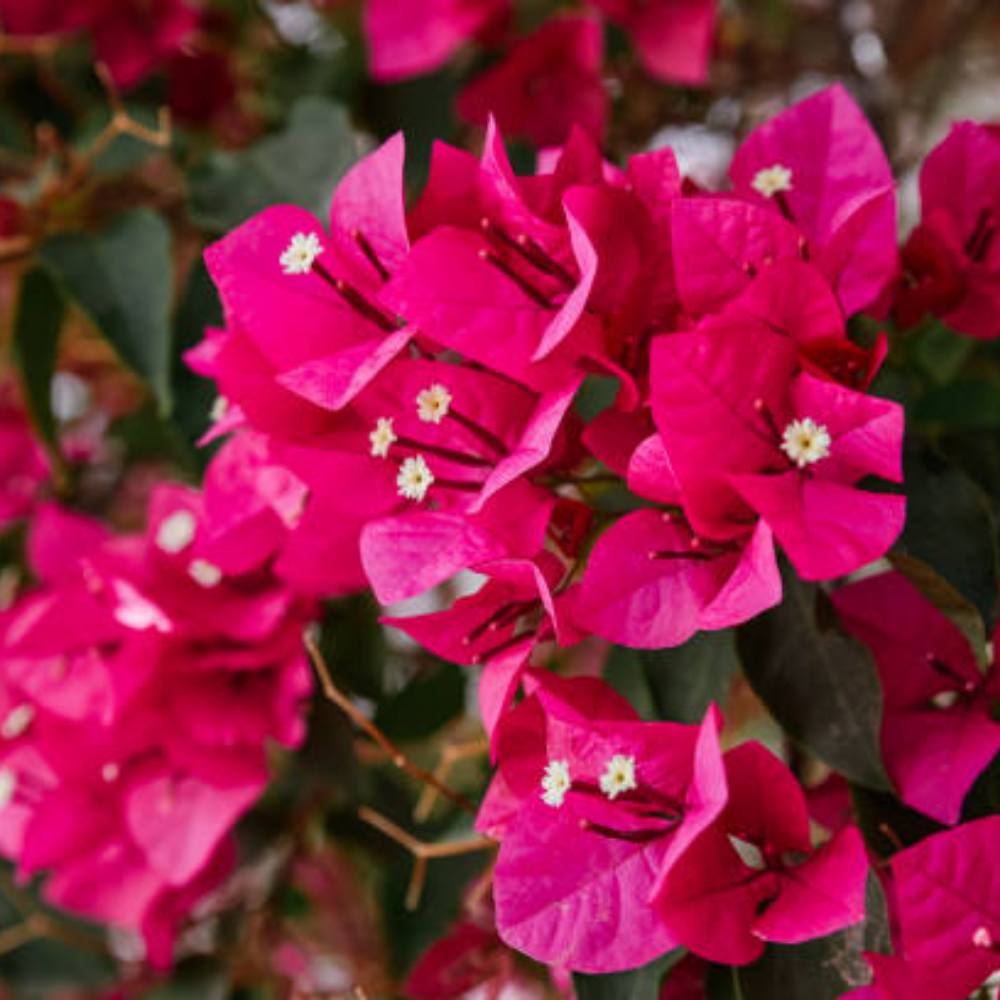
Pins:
x,y
141,685
938,727
591,807
951,263
547,82
749,436
944,891
820,165
754,876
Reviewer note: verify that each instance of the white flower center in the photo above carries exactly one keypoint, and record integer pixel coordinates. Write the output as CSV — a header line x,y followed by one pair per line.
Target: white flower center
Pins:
x,y
8,786
382,438
17,722
433,404
945,700
110,772
619,776
555,783
772,180
414,479
219,409
805,442
982,938
176,532
205,574
301,253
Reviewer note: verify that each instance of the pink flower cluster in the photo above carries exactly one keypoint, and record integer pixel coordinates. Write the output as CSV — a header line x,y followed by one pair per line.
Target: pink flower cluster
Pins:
x,y
401,389
548,79
139,687
402,385
622,839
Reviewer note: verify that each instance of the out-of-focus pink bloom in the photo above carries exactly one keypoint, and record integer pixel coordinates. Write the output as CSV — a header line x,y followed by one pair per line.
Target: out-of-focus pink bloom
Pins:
x,y
23,466
411,39
547,82
938,728
141,685
951,262
131,37
673,38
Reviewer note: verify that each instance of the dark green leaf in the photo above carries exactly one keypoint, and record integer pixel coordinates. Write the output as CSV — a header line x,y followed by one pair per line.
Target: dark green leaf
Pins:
x,y
37,324
425,704
887,824
637,984
194,396
963,404
823,969
685,680
122,279
300,165
949,526
939,351
820,684
196,979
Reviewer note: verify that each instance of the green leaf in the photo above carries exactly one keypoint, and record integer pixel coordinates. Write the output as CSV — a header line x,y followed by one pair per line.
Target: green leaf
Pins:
x,y
950,527
887,824
820,685
636,984
425,704
300,165
37,324
939,351
685,680
964,404
823,969
122,279
194,396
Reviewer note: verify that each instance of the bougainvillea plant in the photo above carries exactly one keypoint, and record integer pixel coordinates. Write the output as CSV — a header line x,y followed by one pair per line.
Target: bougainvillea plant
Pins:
x,y
501,549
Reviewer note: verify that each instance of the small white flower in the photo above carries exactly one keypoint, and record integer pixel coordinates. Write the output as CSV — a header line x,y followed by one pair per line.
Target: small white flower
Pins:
x,y
176,532
219,409
772,180
110,772
619,776
301,254
805,442
433,404
382,438
982,938
414,479
205,574
17,722
945,700
555,783
8,786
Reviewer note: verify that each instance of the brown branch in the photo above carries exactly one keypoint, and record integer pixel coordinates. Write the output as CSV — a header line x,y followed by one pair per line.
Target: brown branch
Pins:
x,y
422,852
398,758
38,47
453,753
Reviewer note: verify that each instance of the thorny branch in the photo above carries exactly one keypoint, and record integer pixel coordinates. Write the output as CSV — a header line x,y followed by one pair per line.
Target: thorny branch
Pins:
x,y
422,852
398,758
